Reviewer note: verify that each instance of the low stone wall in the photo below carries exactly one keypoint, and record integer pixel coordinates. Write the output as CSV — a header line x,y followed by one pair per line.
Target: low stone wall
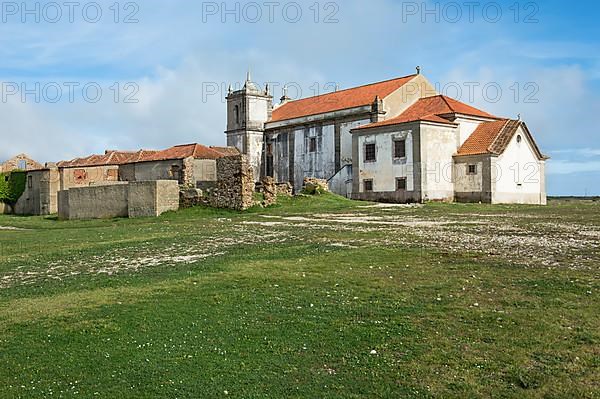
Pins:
x,y
94,202
134,199
235,184
152,198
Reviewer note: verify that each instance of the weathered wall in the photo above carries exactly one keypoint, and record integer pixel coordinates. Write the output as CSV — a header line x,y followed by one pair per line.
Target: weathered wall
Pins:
x,y
235,183
19,162
152,198
85,176
97,202
386,169
126,199
438,145
319,164
40,195
472,188
341,183
157,170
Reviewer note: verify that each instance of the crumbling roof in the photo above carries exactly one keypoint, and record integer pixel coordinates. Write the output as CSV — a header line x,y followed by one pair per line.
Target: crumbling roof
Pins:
x,y
227,151
112,157
432,109
494,137
183,151
339,100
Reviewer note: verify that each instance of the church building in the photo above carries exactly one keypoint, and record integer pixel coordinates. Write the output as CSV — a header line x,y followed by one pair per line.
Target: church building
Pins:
x,y
393,141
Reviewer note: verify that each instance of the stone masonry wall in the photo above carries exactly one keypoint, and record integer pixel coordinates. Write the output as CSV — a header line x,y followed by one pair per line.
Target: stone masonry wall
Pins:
x,y
134,199
235,184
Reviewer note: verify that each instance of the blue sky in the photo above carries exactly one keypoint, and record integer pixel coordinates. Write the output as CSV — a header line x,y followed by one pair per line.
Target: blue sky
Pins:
x,y
545,60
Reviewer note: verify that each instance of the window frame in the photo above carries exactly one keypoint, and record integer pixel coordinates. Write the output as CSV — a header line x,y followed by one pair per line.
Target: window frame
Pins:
x,y
394,148
312,144
404,180
475,170
367,152
369,181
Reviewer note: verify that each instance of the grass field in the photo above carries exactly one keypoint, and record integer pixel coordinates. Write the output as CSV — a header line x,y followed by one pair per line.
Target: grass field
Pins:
x,y
314,298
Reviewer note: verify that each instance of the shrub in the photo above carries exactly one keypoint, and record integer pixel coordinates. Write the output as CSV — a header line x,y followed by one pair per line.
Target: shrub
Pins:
x,y
12,186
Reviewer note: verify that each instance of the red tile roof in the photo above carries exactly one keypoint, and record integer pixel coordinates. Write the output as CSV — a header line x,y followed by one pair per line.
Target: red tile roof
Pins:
x,y
481,140
111,157
195,150
432,109
108,158
339,100
494,137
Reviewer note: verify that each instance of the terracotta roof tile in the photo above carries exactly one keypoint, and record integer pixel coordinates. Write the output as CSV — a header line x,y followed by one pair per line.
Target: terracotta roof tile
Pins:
x,y
494,138
339,100
108,158
431,109
481,140
111,157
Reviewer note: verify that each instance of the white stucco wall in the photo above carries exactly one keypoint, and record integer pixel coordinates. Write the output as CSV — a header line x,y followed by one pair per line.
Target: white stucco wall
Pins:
x,y
466,128
438,145
385,170
518,176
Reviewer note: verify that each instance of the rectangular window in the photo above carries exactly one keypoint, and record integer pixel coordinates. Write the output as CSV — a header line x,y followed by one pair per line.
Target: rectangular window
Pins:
x,y
401,183
22,165
368,185
312,144
399,148
29,182
472,169
370,154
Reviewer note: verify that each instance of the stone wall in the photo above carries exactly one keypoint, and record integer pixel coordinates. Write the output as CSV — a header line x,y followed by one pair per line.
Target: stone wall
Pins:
x,y
17,163
235,184
97,202
153,198
40,195
134,199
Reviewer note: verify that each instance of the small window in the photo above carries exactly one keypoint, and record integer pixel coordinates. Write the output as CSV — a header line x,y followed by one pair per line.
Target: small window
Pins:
x,y
399,148
22,165
519,139
370,154
29,182
312,144
401,184
6,178
368,185
236,111
472,169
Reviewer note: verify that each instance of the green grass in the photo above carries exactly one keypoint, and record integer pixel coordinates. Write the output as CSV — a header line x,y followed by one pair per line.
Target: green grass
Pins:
x,y
281,303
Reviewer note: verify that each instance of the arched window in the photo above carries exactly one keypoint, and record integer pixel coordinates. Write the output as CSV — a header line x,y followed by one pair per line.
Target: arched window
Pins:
x,y
519,139
237,114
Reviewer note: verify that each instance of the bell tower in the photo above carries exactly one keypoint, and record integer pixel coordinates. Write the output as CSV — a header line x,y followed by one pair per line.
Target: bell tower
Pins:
x,y
248,110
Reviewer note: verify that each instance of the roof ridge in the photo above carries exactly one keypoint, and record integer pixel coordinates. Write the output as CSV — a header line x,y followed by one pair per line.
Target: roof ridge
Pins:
x,y
351,88
506,122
